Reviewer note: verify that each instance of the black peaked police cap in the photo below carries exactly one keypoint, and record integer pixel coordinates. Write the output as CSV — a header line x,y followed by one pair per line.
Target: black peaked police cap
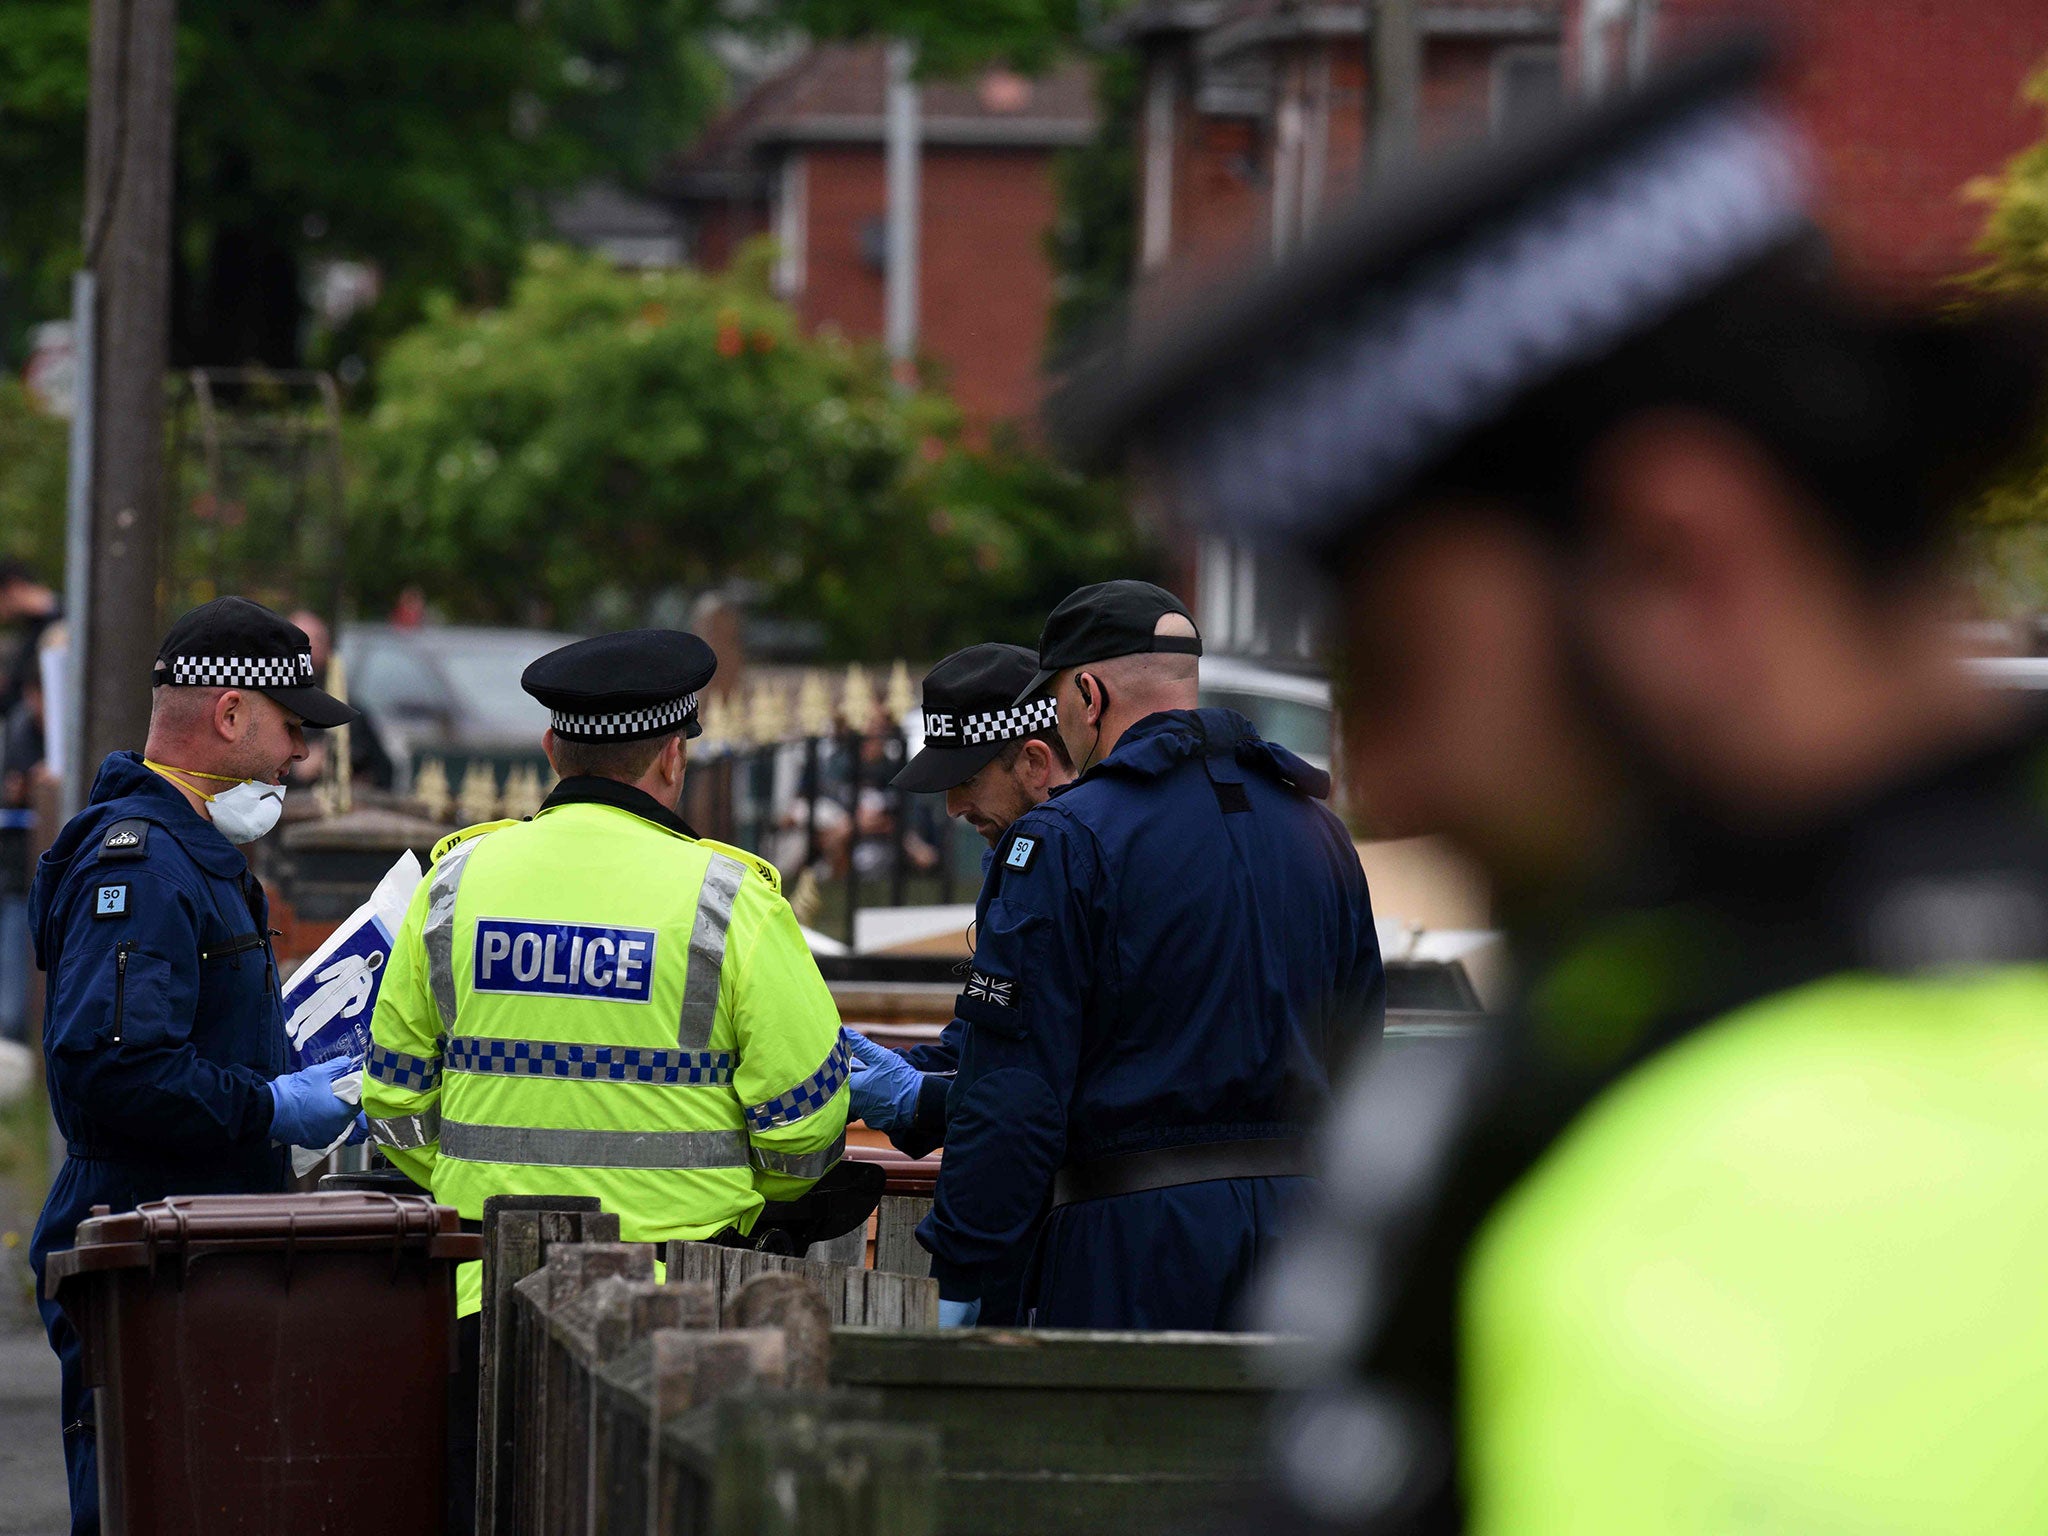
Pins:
x,y
234,643
972,708
624,687
1290,410
1111,618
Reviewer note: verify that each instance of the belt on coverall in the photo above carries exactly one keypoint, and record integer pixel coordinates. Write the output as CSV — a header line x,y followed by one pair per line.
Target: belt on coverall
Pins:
x,y
1132,1173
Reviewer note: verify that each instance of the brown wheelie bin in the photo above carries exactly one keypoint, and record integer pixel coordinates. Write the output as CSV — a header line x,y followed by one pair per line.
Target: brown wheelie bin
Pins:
x,y
268,1363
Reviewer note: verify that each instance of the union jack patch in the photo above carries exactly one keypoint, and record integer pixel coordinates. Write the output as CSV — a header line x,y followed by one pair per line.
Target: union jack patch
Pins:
x,y
984,988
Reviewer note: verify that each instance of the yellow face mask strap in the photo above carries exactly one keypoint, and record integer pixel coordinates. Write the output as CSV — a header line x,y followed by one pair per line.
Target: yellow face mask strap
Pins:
x,y
191,773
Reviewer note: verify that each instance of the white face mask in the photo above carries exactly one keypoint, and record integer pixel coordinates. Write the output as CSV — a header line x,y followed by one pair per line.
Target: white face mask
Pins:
x,y
241,813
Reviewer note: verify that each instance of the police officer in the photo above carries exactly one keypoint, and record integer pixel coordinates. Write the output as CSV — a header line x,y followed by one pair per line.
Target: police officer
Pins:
x,y
1643,526
164,1035
599,1002
1171,949
994,758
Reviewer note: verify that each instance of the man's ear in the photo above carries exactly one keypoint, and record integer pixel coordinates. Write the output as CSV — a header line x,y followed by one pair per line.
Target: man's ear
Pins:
x,y
675,757
1034,763
230,713
547,746
1089,686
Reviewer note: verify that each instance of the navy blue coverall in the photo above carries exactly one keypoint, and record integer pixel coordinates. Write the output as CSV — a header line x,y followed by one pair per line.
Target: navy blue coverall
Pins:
x,y
939,1060
162,1031
1168,953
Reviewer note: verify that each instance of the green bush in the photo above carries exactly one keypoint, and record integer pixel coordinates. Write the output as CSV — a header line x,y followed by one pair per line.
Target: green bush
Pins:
x,y
2010,527
32,482
610,434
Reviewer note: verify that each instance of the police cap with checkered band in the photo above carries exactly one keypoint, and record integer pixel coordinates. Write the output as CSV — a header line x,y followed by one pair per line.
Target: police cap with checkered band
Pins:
x,y
623,687
972,710
234,643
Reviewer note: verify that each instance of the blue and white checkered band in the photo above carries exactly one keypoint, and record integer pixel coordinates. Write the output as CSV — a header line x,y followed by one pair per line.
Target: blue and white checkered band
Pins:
x,y
1293,446
239,671
627,724
943,729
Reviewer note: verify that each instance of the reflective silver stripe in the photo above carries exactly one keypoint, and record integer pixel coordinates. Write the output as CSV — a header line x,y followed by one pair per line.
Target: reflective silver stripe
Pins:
x,y
800,1165
438,932
408,1133
707,951
545,1146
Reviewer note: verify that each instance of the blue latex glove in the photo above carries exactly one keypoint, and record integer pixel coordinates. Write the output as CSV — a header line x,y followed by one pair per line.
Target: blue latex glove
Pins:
x,y
304,1111
360,1132
959,1314
884,1086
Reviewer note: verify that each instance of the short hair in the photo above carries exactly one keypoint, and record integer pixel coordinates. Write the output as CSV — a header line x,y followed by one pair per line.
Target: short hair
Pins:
x,y
626,761
1006,757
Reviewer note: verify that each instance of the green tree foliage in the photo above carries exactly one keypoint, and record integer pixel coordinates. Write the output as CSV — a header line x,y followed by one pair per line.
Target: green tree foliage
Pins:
x,y
32,468
415,134
2012,521
612,433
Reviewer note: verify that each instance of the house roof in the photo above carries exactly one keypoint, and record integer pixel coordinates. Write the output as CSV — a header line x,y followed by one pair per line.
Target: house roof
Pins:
x,y
1259,23
837,93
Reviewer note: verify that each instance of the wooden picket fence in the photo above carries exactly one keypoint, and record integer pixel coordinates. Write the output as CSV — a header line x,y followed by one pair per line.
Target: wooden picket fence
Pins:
x,y
751,1394
611,1403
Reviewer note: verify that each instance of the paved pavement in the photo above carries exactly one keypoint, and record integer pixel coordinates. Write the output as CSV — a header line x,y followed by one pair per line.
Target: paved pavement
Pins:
x,y
32,1497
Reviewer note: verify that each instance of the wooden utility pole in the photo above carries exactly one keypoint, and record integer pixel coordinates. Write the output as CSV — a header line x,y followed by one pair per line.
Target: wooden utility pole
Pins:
x,y
1396,82
128,165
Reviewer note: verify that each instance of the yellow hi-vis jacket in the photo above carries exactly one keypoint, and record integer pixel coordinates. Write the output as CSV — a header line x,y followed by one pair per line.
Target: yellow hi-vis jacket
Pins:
x,y
591,1003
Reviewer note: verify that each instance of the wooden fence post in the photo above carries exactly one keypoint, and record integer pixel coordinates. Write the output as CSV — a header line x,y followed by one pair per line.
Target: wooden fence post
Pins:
x,y
897,1249
794,1305
553,1412
865,1298
515,1245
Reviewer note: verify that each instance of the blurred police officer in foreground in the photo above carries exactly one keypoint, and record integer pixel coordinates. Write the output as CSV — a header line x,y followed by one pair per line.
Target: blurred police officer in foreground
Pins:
x,y
597,1001
163,1036
1742,1224
1170,950
994,756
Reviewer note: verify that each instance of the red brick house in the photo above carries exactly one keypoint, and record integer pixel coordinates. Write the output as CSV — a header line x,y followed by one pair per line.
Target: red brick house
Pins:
x,y
1257,112
1906,101
1255,123
801,156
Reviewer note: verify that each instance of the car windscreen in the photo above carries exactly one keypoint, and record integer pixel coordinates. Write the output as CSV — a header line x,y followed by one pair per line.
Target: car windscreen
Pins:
x,y
1302,728
483,670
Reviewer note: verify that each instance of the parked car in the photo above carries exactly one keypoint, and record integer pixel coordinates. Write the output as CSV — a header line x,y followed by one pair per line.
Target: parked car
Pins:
x,y
448,692
1290,708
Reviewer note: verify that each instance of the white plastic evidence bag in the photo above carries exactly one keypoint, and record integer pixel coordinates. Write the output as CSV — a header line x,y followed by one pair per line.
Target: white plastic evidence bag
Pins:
x,y
330,997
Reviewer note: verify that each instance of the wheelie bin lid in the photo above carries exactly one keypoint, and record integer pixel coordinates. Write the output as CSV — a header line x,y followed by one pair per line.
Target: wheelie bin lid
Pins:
x,y
186,1227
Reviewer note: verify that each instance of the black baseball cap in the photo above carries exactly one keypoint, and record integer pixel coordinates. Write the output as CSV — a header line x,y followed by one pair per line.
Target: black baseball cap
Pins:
x,y
623,687
1111,618
972,708
234,643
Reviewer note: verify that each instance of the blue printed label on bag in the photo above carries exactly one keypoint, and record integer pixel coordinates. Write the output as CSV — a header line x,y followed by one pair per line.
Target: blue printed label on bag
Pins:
x,y
614,965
